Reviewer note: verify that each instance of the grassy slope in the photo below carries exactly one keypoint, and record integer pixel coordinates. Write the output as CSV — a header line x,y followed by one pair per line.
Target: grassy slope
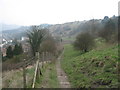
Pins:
x,y
97,68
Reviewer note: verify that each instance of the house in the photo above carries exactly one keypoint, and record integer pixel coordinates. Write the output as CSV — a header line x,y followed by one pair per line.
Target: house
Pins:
x,y
3,50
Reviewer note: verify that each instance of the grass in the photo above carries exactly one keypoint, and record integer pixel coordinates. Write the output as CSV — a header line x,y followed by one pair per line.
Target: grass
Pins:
x,y
49,78
14,78
96,68
53,80
39,80
68,38
30,74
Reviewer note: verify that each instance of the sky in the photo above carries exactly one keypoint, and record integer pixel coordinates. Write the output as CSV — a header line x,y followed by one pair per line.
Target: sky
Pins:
x,y
36,12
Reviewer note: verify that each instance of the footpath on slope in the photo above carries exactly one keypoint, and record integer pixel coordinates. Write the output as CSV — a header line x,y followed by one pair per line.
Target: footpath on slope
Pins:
x,y
62,77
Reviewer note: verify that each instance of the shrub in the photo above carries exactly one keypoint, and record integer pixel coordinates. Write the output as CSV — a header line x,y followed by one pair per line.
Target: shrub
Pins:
x,y
9,52
18,49
84,42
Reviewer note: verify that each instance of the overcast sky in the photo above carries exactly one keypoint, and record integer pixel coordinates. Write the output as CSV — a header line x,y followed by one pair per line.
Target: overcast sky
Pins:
x,y
35,12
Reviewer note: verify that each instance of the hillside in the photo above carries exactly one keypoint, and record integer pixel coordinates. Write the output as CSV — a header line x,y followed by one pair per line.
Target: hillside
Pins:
x,y
9,26
9,32
68,31
95,69
72,29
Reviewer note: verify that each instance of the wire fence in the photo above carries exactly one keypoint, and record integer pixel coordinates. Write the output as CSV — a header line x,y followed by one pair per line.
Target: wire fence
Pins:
x,y
45,57
32,63
15,66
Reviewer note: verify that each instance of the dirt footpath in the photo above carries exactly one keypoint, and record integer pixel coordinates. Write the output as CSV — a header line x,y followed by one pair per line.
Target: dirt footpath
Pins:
x,y
63,80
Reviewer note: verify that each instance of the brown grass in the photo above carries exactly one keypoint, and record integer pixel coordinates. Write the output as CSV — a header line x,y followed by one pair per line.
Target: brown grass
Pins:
x,y
14,78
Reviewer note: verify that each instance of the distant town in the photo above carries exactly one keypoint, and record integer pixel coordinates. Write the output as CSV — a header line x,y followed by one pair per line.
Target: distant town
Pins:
x,y
10,42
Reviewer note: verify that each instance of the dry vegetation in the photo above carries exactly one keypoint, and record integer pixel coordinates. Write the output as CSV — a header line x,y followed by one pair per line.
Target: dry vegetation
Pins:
x,y
14,78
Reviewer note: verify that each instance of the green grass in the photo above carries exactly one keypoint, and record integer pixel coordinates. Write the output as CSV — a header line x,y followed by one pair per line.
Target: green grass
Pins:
x,y
53,80
39,81
68,38
49,78
30,74
96,68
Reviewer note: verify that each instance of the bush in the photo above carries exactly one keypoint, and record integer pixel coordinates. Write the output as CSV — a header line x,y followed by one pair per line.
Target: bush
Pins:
x,y
48,45
109,31
18,49
9,52
84,42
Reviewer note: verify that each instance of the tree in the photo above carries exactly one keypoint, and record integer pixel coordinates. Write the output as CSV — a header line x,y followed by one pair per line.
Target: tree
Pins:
x,y
108,31
48,45
36,36
84,42
119,30
18,49
9,52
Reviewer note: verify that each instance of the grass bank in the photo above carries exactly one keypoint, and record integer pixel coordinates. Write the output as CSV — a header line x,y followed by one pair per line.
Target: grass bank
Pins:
x,y
97,68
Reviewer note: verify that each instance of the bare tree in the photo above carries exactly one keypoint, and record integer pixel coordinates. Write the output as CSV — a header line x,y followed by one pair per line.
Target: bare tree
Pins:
x,y
48,45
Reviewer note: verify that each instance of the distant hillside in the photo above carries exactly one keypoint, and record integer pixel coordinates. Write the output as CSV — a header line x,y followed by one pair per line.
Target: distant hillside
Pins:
x,y
67,30
18,32
71,29
45,25
14,33
9,27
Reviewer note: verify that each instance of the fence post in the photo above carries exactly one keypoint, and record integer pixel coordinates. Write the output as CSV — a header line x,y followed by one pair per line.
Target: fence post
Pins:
x,y
34,78
49,57
24,75
43,59
46,56
36,68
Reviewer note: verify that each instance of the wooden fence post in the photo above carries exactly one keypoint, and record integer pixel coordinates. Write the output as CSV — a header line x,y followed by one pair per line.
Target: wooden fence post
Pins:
x,y
43,59
34,78
36,69
46,56
49,56
24,75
